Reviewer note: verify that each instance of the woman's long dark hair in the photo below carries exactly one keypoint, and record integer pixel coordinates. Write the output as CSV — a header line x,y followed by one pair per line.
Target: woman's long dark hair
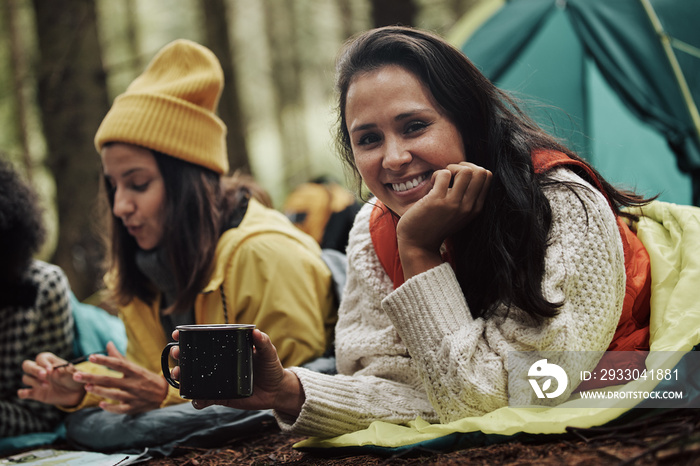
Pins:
x,y
499,257
199,205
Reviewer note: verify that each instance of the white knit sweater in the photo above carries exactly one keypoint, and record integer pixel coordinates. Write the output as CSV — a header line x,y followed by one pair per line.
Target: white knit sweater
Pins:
x,y
417,351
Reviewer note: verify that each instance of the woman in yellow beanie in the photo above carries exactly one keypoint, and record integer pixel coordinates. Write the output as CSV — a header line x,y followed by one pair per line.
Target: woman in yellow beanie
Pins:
x,y
188,245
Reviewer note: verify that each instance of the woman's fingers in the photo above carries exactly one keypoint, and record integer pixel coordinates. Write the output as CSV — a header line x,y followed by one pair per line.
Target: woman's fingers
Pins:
x,y
470,185
32,369
99,380
483,192
263,345
30,381
113,351
137,391
201,404
49,360
109,393
118,363
441,179
461,180
115,408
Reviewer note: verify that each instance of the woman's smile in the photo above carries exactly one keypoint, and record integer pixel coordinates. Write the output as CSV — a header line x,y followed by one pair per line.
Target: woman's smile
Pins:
x,y
402,187
399,135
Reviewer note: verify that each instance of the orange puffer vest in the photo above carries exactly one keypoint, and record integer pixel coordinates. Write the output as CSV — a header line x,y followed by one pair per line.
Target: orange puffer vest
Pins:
x,y
632,333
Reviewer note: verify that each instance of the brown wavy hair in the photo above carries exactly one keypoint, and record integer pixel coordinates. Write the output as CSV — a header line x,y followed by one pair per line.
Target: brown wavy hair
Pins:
x,y
500,258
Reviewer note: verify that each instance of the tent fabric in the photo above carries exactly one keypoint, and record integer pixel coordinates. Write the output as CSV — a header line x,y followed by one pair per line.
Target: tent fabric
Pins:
x,y
620,39
671,234
613,33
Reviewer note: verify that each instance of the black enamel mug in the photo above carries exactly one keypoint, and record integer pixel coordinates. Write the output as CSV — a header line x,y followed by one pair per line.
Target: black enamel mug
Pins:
x,y
216,361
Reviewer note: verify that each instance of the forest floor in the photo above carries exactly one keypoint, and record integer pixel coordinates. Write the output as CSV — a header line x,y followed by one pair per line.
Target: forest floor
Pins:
x,y
671,438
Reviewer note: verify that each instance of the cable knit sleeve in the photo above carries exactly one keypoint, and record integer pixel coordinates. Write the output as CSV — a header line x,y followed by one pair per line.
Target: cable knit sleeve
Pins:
x,y
417,351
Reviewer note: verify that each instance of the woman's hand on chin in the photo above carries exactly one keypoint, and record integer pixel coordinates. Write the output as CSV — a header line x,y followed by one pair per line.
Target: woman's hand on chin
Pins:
x,y
456,198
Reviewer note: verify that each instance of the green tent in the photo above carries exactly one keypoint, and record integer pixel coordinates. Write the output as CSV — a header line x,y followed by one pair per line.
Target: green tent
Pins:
x,y
618,80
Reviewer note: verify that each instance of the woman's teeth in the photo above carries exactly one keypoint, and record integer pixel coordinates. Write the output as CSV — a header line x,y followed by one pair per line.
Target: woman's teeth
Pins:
x,y
399,187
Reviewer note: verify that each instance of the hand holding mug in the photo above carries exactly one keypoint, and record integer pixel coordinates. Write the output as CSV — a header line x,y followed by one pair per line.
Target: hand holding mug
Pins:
x,y
274,387
215,361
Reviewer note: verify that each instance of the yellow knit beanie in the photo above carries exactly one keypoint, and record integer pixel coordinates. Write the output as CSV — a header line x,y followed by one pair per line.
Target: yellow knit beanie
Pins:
x,y
171,108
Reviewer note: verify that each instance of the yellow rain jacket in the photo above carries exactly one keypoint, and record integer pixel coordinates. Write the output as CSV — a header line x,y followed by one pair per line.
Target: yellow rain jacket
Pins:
x,y
272,276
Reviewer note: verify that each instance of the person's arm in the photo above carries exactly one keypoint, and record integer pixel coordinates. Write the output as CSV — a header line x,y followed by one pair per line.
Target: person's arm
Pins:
x,y
18,417
366,346
311,403
47,340
459,362
417,351
51,329
462,361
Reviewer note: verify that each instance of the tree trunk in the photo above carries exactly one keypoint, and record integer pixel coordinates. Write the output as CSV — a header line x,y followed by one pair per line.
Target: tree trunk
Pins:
x,y
280,28
217,29
73,100
133,36
393,12
346,18
19,73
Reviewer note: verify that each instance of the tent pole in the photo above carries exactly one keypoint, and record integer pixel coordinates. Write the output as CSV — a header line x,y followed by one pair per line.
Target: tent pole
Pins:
x,y
470,22
673,61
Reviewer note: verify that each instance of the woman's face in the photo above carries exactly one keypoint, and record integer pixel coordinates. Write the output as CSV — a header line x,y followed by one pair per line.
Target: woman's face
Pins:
x,y
399,135
139,191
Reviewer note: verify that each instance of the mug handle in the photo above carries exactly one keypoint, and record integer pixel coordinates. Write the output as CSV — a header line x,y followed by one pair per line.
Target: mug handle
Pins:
x,y
165,364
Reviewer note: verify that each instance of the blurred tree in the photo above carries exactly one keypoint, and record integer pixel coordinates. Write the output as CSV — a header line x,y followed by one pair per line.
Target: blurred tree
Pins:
x,y
391,12
281,31
133,35
73,100
441,15
345,9
18,70
217,28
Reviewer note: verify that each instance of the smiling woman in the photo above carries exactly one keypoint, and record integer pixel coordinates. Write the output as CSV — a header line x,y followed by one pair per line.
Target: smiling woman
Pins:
x,y
485,236
399,136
